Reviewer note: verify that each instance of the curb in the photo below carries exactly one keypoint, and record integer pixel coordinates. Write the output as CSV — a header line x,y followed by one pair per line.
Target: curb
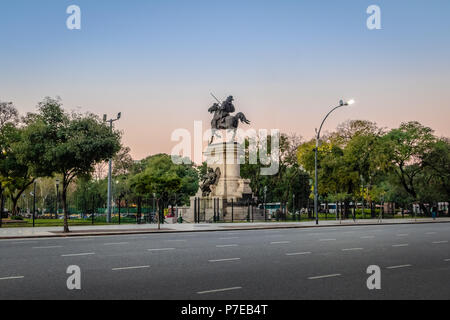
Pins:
x,y
116,233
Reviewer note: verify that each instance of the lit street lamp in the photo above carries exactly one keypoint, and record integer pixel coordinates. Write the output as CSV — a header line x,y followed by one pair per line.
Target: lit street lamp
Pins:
x,y
108,217
316,185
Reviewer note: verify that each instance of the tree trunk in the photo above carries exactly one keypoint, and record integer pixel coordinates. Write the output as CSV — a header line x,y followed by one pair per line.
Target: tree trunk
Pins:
x,y
14,205
424,209
64,203
2,204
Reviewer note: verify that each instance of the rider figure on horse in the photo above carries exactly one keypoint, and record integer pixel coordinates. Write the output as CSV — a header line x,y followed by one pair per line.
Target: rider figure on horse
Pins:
x,y
223,111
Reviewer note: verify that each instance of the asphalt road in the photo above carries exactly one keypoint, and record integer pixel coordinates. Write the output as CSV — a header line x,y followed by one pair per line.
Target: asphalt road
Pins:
x,y
315,263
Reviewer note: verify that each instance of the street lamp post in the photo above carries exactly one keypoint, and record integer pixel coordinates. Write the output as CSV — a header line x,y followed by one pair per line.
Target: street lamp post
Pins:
x,y
316,184
108,217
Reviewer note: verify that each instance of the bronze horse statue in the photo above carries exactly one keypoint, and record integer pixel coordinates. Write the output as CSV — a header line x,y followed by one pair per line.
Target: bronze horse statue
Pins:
x,y
223,120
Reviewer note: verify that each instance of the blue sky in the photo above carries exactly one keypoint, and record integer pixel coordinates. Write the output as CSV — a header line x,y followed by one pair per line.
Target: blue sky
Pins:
x,y
157,60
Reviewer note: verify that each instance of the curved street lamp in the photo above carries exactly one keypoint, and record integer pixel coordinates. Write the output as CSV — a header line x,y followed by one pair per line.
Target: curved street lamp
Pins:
x,y
316,185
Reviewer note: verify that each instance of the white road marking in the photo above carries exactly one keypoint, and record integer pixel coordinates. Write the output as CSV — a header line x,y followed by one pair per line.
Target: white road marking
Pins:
x,y
78,254
280,242
398,267
49,247
430,232
352,249
229,238
326,276
24,242
439,242
327,240
297,253
161,249
368,237
222,260
219,290
227,245
131,268
181,240
400,245
12,278
402,235
447,260
115,243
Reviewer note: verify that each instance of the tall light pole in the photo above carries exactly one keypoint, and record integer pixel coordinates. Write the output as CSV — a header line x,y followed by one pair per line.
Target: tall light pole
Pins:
x,y
108,217
316,184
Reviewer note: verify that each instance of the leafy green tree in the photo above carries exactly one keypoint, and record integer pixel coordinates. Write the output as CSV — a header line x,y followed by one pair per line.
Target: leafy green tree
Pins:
x,y
15,173
160,178
67,144
405,149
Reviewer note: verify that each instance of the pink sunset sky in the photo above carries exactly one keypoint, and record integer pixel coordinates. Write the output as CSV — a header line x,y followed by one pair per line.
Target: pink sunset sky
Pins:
x,y
287,63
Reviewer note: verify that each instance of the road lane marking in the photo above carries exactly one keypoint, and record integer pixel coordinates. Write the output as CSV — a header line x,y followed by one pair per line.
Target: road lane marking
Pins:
x,y
181,240
223,260
229,238
447,260
49,247
368,237
78,254
352,249
440,242
280,242
130,268
227,245
219,290
430,232
12,278
398,267
327,240
297,253
325,276
115,243
400,245
402,235
161,249
24,242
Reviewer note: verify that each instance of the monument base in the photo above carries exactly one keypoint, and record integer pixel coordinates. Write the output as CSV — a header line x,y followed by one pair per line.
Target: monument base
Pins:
x,y
231,198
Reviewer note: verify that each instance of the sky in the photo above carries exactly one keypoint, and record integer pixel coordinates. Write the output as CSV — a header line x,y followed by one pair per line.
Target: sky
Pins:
x,y
286,62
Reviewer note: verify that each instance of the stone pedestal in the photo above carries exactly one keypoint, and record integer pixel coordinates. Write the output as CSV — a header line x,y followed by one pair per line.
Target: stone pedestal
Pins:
x,y
231,196
225,156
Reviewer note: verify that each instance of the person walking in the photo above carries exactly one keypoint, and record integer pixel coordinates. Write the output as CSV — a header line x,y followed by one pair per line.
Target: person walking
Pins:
x,y
433,212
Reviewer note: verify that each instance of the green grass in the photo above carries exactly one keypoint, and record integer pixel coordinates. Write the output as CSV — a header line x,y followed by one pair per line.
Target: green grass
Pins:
x,y
59,222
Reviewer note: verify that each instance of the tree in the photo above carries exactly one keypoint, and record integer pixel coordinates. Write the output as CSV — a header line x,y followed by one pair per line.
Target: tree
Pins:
x,y
405,149
437,162
8,114
160,177
15,173
68,144
122,162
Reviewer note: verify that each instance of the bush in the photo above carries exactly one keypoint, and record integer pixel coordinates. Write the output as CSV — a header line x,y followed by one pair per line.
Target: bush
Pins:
x,y
17,218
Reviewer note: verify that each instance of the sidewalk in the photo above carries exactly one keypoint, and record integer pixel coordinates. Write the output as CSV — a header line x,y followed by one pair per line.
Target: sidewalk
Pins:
x,y
77,231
